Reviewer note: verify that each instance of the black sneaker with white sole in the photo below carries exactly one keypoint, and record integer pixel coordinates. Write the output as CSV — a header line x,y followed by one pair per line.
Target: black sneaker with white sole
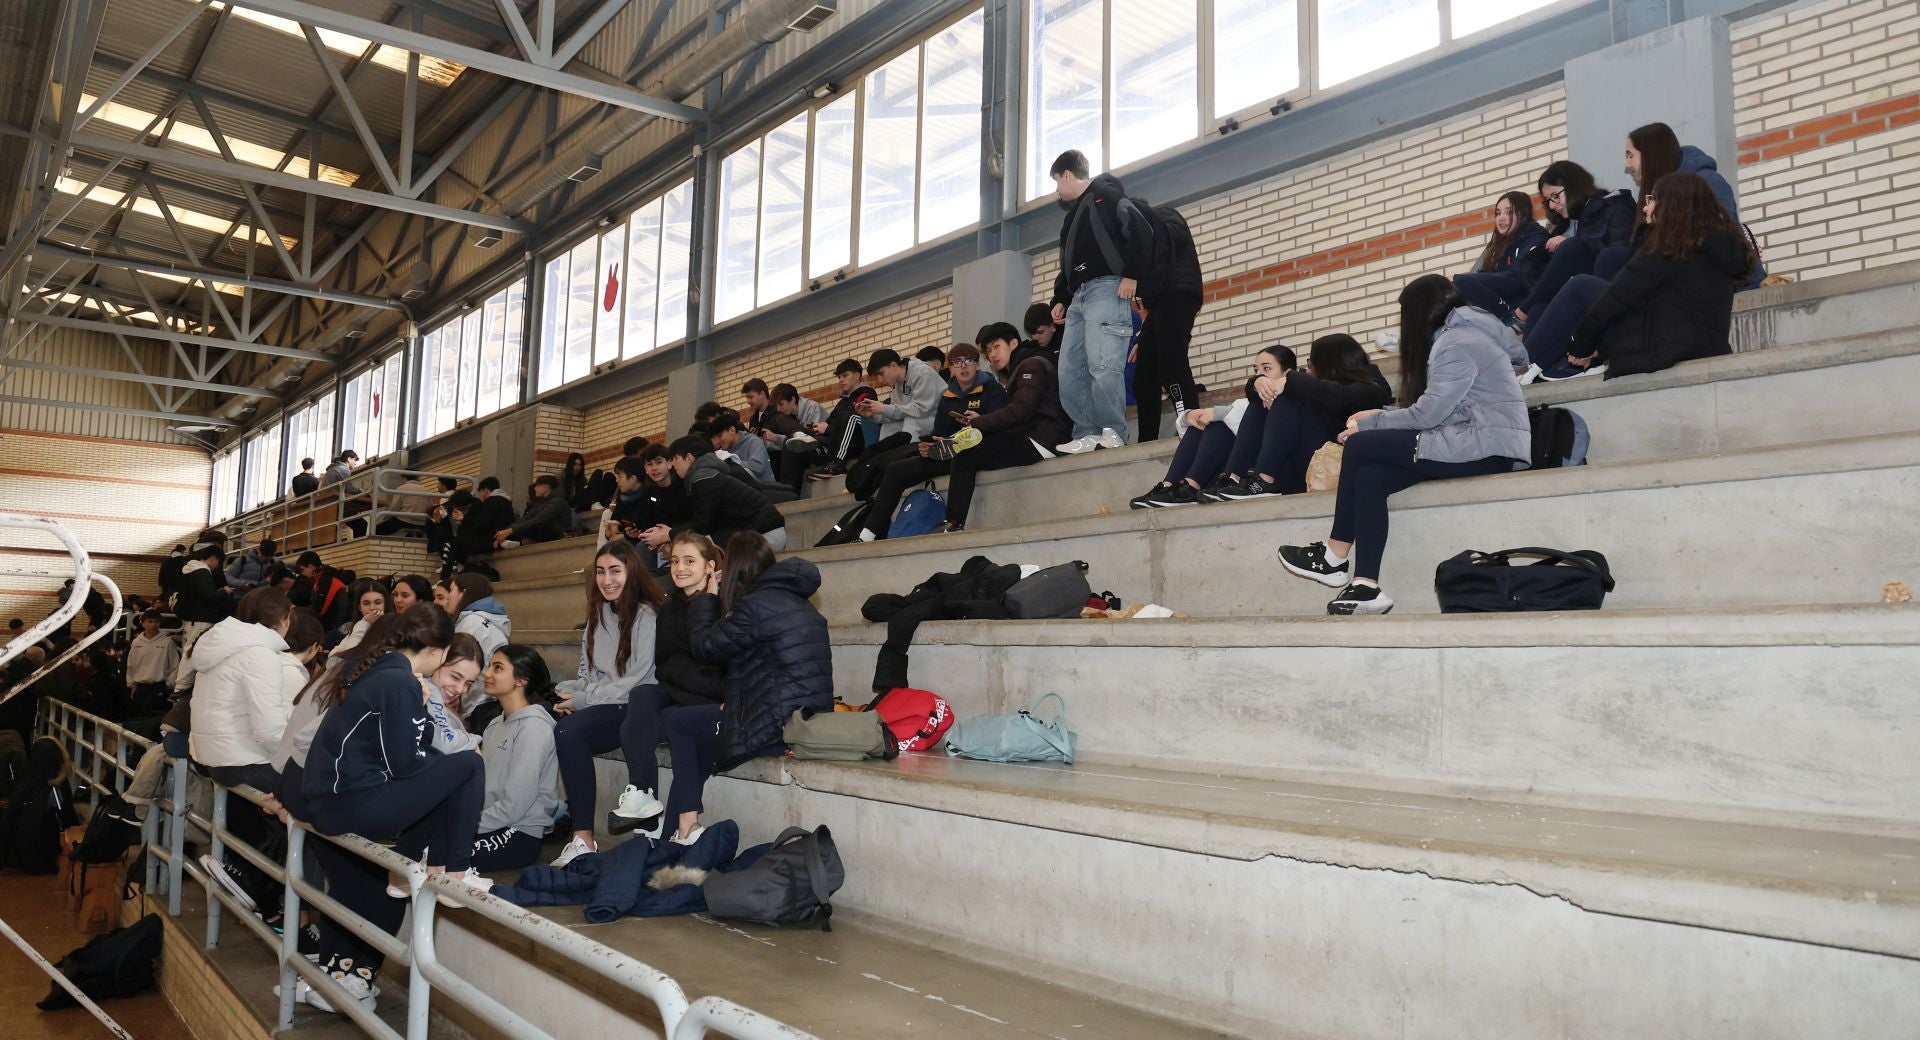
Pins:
x,y
1215,490
1359,599
1252,487
1140,502
1181,494
1310,562
227,876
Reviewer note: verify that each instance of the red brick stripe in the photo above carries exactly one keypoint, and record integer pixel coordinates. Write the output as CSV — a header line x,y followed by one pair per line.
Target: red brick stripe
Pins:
x,y
1809,134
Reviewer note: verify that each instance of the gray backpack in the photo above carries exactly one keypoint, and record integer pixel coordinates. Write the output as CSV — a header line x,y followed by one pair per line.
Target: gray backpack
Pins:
x,y
1056,592
789,884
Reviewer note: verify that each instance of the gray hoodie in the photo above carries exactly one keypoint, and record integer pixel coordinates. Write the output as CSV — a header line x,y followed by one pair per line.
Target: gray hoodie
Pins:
x,y
521,772
1473,407
600,680
914,399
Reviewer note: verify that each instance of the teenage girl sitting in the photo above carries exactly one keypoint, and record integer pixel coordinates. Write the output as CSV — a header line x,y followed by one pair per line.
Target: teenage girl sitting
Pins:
x,y
755,619
616,655
1461,415
521,767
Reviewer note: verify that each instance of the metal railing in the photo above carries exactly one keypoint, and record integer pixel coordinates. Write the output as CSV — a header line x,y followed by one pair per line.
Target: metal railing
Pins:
x,y
301,521
83,580
426,974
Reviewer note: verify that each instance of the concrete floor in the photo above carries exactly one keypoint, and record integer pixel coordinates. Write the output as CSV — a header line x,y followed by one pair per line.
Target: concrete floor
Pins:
x,y
35,907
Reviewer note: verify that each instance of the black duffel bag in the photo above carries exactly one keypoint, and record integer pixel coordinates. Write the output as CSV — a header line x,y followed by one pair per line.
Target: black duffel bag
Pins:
x,y
1481,583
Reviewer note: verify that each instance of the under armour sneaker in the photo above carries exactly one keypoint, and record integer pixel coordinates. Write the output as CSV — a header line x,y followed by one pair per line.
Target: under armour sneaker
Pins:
x,y
1310,562
1360,599
227,877
574,849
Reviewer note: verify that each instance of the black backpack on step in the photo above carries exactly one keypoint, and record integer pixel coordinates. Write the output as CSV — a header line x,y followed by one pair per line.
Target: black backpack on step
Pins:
x,y
120,963
847,528
790,883
113,828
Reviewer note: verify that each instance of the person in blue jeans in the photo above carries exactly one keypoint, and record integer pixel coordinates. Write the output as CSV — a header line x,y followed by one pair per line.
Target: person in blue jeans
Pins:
x,y
1495,284
1105,247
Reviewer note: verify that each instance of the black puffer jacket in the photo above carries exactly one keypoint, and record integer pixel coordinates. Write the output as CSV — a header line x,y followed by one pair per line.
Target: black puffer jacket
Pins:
x,y
723,504
1659,312
1176,263
685,677
1033,400
1338,401
777,653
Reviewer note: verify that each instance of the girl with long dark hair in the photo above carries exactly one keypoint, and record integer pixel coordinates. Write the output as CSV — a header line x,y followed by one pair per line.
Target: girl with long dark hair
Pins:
x,y
753,617
521,766
1587,219
616,656
1461,414
1674,300
1496,283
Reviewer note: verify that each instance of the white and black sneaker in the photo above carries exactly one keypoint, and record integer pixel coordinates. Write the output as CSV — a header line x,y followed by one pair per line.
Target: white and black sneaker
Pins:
x,y
1311,562
1359,599
1173,495
1215,490
636,807
1141,501
1252,487
228,877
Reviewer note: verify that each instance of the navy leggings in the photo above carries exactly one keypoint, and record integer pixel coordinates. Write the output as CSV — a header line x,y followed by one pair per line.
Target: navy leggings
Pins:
x,y
1574,256
1280,441
437,809
642,733
1376,465
1550,331
1496,292
693,738
578,737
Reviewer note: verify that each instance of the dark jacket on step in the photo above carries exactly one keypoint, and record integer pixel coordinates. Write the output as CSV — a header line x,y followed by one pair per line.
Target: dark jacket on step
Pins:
x,y
1659,312
1338,401
39,807
688,679
1033,401
976,592
1081,258
777,654
546,519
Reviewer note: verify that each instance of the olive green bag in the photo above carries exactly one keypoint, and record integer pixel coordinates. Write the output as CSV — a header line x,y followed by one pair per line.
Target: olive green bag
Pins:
x,y
838,736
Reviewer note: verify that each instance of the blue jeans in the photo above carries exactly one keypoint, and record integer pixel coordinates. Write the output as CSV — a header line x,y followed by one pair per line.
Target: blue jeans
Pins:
x,y
1093,358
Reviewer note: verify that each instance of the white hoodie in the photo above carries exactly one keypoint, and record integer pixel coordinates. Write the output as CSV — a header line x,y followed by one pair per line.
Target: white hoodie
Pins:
x,y
239,694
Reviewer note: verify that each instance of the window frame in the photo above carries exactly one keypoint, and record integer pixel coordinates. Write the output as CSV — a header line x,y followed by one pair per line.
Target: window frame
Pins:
x,y
425,399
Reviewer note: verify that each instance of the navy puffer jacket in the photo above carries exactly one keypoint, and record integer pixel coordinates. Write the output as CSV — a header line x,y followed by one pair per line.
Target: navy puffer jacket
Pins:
x,y
777,654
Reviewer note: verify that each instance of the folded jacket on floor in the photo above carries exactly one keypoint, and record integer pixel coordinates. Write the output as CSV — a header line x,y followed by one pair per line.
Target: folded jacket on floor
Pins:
x,y
613,884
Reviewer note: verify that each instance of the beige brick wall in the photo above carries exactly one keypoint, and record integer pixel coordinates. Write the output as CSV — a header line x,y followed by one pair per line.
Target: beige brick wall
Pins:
x,y
378,557
127,502
465,463
609,424
1830,134
807,361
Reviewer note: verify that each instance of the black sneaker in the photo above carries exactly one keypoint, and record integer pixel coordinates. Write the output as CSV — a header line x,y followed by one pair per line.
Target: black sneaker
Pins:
x,y
1360,599
1215,490
1310,561
1181,494
1252,487
229,877
1141,501
309,941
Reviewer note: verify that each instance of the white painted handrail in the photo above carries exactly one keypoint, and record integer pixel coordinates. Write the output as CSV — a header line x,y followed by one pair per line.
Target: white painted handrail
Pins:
x,y
83,580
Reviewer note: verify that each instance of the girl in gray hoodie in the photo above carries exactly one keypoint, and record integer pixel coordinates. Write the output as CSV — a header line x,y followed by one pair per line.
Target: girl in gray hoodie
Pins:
x,y
521,767
1461,414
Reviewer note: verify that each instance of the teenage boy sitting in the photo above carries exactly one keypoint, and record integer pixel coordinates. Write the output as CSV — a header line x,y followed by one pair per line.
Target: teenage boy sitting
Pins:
x,y
720,502
794,434
548,516
651,502
846,436
1012,435
969,391
728,434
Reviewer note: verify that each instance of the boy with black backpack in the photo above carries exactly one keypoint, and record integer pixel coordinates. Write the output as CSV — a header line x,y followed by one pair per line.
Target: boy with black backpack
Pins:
x,y
1171,293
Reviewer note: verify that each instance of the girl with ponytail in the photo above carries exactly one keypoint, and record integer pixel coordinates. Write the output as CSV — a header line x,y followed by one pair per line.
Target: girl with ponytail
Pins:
x,y
373,770
521,767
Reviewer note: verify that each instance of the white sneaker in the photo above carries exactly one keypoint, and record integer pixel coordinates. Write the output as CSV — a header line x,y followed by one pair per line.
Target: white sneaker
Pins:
x,y
364,993
636,804
1528,377
575,849
397,887
865,536
223,875
1109,438
692,837
1078,446
472,879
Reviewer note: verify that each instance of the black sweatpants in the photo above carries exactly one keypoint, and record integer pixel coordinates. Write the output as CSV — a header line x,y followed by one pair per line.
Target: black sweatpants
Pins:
x,y
254,827
358,885
693,737
1162,362
899,476
1003,450
437,808
1376,465
641,735
504,849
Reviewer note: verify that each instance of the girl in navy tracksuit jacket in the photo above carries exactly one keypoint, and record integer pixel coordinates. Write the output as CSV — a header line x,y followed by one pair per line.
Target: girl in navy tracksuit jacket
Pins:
x,y
373,769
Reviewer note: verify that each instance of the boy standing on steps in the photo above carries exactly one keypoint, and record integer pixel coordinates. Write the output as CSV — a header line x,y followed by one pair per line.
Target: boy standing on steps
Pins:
x,y
1105,247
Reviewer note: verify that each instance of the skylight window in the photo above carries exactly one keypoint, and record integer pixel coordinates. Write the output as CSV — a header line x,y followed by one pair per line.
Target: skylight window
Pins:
x,y
436,71
106,196
185,133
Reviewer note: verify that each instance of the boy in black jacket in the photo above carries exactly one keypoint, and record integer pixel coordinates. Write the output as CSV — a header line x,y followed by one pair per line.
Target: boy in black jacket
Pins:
x,y
969,391
723,498
547,518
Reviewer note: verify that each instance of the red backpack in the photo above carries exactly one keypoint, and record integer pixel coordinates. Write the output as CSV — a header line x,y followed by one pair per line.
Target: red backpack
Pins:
x,y
916,718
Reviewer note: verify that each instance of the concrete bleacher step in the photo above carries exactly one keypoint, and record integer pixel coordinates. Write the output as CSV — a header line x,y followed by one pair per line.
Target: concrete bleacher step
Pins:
x,y
1290,908
1726,713
1810,391
1781,524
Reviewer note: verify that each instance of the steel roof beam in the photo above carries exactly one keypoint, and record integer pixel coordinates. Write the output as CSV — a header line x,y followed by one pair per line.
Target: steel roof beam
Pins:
x,y
169,336
137,377
260,175
138,413
54,250
475,58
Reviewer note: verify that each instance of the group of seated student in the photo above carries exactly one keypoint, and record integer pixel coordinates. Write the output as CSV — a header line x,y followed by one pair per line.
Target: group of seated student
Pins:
x,y
650,501
789,426
463,530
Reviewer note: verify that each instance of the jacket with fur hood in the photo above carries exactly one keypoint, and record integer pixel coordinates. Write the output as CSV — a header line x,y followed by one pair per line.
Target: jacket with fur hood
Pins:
x,y
1472,408
240,702
521,772
378,732
600,679
778,655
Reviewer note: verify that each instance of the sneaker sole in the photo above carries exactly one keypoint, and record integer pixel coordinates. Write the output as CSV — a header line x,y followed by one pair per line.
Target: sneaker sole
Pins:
x,y
1170,505
619,824
228,884
1332,581
1342,608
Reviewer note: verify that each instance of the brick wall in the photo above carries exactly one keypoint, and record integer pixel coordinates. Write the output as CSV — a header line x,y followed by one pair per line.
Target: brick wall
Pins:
x,y
466,463
556,433
609,424
127,502
807,361
1828,102
377,557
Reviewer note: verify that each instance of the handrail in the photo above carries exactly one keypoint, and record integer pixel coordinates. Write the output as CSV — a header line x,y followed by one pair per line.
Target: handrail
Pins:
x,y
82,581
426,973
245,529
